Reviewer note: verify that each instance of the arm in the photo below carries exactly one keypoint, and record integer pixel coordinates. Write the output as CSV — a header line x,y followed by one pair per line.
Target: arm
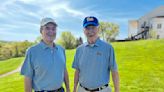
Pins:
x,y
115,78
66,81
76,80
28,84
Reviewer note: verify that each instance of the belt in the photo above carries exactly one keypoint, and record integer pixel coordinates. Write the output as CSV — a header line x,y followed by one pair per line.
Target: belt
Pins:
x,y
96,89
57,90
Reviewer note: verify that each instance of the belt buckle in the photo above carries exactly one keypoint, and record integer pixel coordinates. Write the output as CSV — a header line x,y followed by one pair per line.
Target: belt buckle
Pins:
x,y
103,87
99,88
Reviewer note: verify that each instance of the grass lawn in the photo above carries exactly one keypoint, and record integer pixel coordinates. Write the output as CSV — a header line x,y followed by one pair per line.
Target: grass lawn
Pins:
x,y
140,67
10,64
12,83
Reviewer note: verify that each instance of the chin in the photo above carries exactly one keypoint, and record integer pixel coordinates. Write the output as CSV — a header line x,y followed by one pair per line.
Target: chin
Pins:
x,y
90,36
50,41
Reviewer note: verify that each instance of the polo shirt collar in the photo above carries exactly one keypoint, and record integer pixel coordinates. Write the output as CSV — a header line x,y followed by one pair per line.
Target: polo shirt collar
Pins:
x,y
45,46
97,43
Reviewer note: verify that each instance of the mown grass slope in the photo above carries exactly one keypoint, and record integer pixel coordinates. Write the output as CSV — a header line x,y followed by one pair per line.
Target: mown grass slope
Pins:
x,y
140,67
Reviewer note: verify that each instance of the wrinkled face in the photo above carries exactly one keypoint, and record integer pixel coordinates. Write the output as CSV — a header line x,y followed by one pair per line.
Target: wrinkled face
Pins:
x,y
91,31
48,32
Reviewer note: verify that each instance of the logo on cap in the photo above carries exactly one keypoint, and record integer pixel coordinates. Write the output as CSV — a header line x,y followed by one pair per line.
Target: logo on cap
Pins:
x,y
90,19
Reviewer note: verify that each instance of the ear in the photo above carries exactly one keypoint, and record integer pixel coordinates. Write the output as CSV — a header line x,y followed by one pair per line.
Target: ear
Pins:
x,y
98,29
84,30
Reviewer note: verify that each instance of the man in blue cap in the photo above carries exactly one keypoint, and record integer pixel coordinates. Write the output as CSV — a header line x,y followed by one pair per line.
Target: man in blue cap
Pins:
x,y
93,62
44,66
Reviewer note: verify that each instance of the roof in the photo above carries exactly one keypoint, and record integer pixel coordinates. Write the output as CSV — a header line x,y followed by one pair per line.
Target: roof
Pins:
x,y
155,13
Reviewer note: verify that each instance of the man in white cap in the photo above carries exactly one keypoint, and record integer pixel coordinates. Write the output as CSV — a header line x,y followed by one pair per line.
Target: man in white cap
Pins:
x,y
44,66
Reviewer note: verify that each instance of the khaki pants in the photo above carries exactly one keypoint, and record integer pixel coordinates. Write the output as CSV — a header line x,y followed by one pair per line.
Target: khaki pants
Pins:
x,y
107,89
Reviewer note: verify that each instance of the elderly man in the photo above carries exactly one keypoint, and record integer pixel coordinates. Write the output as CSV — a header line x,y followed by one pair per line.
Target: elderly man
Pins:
x,y
93,62
44,66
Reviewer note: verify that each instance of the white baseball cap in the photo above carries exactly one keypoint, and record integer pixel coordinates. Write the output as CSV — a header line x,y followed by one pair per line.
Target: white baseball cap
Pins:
x,y
45,21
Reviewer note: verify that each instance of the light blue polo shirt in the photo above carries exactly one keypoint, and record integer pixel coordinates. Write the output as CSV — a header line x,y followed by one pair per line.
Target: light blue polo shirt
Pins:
x,y
45,66
94,63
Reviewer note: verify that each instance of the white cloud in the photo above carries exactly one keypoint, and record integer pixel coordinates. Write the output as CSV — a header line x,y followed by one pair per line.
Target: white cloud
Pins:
x,y
4,4
18,15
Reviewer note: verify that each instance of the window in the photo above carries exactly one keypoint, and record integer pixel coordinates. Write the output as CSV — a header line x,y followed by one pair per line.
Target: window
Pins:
x,y
159,26
151,26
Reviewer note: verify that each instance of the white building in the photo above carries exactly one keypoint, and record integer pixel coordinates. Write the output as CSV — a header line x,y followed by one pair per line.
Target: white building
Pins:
x,y
149,26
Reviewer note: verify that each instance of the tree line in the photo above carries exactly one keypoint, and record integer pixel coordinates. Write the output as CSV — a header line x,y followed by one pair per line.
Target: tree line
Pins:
x,y
13,49
107,31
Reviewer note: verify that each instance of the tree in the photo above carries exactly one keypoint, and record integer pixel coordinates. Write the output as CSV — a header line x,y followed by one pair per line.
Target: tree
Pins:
x,y
79,41
108,31
16,51
38,39
13,49
23,46
68,40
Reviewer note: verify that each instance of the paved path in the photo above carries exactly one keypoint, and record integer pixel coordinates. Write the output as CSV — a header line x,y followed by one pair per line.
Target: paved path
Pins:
x,y
11,72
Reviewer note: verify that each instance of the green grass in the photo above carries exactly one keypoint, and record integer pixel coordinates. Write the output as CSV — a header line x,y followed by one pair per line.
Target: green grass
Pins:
x,y
140,67
12,83
10,64
69,56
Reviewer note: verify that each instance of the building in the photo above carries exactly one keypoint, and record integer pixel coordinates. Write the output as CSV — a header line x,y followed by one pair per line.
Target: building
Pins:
x,y
150,25
133,28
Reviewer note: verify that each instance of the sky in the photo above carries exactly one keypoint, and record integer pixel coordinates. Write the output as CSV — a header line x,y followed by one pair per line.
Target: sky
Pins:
x,y
20,19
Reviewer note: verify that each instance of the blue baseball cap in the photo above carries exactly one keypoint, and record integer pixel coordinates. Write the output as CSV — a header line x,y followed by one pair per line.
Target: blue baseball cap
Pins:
x,y
90,20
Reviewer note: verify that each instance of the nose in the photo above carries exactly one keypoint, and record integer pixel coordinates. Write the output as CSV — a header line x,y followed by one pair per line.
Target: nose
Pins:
x,y
52,31
90,30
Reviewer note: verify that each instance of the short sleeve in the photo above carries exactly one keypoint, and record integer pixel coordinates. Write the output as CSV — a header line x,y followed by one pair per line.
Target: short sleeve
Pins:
x,y
112,61
27,69
75,64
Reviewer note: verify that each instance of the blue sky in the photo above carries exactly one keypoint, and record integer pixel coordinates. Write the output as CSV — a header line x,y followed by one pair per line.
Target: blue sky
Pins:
x,y
20,19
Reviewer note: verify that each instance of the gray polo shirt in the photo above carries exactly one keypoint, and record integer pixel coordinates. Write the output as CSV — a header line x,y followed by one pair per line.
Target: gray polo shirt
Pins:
x,y
45,66
94,63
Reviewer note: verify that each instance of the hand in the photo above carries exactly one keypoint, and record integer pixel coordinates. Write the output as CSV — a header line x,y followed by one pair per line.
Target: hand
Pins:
x,y
67,90
74,90
116,91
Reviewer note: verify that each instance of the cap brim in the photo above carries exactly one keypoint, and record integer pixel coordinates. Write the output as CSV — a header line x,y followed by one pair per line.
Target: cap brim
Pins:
x,y
90,23
49,22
